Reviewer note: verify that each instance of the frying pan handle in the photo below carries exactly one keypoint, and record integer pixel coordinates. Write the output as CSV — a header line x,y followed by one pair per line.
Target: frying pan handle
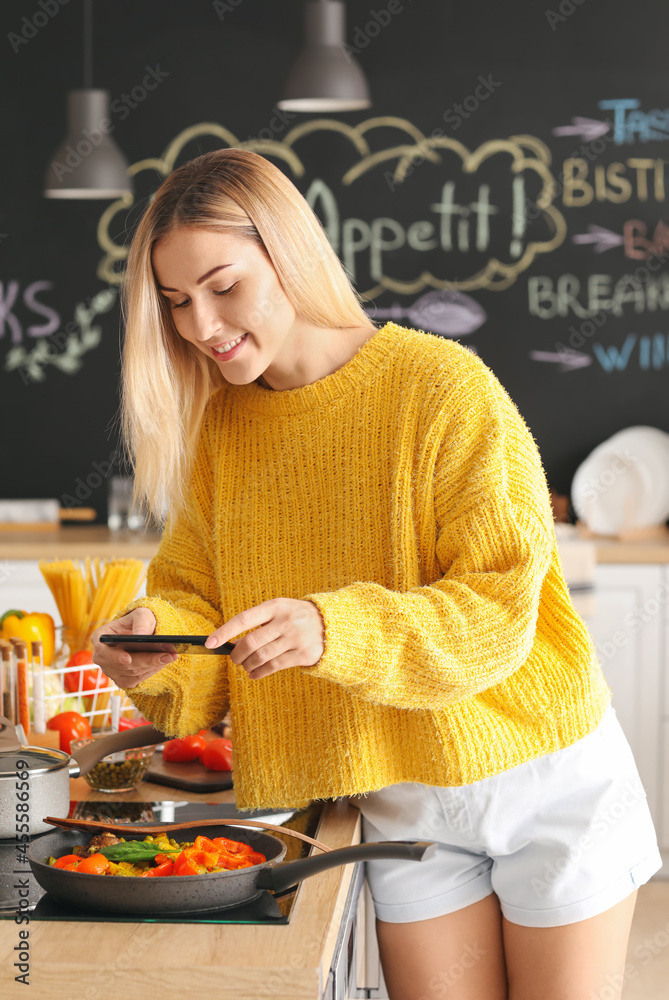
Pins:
x,y
283,876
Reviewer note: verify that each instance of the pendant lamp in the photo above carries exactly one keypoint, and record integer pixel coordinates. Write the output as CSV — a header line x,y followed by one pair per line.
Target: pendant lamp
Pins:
x,y
88,163
325,76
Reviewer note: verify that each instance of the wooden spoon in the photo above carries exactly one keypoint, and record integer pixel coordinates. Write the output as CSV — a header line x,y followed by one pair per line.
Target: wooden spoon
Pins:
x,y
192,824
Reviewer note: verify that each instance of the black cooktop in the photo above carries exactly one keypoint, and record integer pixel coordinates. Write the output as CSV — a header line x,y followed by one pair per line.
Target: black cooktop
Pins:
x,y
266,909
263,910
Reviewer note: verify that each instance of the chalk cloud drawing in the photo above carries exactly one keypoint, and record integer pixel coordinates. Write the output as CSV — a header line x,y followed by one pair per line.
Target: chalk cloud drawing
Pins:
x,y
525,155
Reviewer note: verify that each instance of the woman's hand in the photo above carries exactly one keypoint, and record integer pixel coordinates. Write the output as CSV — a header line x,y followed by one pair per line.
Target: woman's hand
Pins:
x,y
291,634
125,669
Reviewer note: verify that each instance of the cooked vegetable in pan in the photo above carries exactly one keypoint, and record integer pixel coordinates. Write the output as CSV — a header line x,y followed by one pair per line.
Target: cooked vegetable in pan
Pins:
x,y
158,856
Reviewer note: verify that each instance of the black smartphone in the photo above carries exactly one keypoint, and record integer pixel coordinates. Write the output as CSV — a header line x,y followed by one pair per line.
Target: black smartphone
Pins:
x,y
181,644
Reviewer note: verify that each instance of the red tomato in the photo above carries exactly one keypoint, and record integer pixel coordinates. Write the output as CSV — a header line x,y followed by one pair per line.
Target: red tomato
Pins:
x,y
77,659
70,726
185,749
67,859
83,680
95,864
222,740
218,755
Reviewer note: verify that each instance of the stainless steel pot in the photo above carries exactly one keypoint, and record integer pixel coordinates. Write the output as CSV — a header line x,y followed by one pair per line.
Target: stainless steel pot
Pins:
x,y
35,781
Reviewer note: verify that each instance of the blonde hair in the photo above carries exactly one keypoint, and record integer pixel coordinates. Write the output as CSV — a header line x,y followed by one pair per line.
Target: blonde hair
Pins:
x,y
165,380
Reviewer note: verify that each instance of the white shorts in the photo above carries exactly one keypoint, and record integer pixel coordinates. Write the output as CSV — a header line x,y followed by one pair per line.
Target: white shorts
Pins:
x,y
559,838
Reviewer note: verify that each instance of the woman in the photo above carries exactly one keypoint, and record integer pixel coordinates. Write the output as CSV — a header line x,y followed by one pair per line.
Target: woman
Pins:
x,y
365,512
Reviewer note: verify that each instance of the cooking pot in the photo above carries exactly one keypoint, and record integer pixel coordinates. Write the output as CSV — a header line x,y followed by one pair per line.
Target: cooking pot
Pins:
x,y
35,781
197,893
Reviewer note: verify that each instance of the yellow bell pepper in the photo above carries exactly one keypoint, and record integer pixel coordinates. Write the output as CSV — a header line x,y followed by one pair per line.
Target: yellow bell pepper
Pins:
x,y
33,627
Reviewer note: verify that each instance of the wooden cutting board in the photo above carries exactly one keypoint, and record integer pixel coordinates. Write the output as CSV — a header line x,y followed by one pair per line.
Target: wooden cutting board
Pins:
x,y
191,777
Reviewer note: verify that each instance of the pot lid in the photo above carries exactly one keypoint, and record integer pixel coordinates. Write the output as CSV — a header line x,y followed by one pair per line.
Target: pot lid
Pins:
x,y
37,760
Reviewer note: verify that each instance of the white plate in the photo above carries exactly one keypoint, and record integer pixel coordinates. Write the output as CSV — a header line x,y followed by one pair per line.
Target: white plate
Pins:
x,y
624,482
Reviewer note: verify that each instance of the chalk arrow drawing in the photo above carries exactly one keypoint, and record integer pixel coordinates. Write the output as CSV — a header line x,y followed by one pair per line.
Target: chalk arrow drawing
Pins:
x,y
589,128
570,360
604,238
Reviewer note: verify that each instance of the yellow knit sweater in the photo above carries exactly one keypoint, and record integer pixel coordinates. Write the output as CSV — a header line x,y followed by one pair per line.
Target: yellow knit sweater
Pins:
x,y
404,495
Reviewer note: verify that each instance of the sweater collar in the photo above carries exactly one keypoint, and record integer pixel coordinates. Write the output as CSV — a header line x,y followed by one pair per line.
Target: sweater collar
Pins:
x,y
359,370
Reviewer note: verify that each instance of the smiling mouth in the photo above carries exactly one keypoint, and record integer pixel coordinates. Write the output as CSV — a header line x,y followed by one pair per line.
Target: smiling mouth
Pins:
x,y
226,348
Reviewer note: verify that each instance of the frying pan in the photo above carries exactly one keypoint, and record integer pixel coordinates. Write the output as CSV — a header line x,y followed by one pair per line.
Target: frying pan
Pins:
x,y
197,893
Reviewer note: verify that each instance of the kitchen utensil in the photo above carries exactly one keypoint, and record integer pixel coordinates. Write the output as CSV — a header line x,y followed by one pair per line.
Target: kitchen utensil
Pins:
x,y
39,514
198,893
48,772
120,829
121,771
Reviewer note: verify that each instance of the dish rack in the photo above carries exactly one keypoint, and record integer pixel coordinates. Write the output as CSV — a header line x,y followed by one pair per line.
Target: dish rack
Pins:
x,y
95,706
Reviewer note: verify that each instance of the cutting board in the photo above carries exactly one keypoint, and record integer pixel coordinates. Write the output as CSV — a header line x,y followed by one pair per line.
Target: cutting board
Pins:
x,y
190,777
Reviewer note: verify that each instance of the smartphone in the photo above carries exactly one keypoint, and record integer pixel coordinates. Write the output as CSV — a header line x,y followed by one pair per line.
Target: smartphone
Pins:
x,y
181,644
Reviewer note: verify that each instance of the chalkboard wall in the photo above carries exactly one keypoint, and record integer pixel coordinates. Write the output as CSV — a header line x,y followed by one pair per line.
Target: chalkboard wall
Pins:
x,y
506,188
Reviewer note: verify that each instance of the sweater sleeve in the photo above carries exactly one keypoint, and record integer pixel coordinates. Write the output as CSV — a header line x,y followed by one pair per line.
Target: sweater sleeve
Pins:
x,y
474,625
192,692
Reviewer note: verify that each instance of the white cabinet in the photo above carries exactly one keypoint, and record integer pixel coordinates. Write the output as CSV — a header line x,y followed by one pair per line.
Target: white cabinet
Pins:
x,y
630,631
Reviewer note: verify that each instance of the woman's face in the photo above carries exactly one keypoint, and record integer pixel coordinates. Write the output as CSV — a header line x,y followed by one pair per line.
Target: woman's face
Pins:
x,y
226,298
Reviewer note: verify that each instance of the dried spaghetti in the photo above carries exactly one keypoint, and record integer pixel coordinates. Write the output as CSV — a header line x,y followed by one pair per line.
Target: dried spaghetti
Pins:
x,y
88,596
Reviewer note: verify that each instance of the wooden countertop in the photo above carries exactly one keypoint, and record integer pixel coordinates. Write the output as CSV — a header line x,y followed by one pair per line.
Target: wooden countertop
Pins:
x,y
77,541
158,961
614,551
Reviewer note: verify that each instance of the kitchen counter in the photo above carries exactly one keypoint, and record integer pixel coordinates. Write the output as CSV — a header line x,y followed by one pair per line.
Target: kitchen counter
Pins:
x,y
610,550
157,961
78,541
